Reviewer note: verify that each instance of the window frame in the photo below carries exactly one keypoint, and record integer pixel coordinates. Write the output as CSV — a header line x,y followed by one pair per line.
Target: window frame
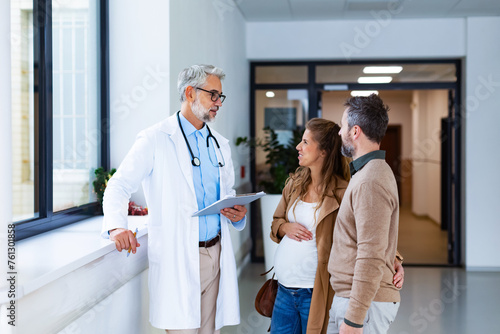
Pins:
x,y
42,38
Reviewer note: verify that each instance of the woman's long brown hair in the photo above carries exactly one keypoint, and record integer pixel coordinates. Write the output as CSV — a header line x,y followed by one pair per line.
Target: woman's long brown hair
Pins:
x,y
326,134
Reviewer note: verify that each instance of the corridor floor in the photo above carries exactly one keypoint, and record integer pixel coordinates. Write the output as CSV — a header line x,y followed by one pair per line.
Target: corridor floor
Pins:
x,y
434,300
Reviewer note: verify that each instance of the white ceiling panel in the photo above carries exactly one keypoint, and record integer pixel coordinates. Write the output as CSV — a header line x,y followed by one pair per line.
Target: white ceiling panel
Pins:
x,y
477,7
426,8
317,9
368,5
265,10
314,10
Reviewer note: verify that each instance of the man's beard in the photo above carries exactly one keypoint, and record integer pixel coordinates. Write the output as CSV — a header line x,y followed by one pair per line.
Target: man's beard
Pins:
x,y
347,149
201,113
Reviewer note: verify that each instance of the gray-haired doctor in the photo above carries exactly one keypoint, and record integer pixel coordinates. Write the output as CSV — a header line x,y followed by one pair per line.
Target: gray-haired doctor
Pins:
x,y
184,166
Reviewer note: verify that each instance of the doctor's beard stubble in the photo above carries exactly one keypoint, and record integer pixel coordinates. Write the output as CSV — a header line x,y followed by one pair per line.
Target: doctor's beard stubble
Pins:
x,y
201,113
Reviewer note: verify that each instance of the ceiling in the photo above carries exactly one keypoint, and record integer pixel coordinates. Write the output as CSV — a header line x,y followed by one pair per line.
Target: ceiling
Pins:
x,y
314,10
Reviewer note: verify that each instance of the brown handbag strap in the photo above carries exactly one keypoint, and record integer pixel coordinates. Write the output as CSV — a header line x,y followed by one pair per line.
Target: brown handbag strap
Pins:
x,y
267,272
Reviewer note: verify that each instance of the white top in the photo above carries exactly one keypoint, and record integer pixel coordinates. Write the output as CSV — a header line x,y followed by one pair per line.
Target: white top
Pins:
x,y
295,262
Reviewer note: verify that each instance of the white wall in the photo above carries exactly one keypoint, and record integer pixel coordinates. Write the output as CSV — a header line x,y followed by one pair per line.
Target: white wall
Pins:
x,y
118,306
139,71
482,153
215,34
390,38
428,109
360,39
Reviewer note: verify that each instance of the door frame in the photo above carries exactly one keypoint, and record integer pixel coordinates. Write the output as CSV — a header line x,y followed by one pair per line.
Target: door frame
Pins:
x,y
314,90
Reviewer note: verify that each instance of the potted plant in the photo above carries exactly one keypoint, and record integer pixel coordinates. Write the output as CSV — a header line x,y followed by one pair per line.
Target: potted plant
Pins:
x,y
101,181
281,159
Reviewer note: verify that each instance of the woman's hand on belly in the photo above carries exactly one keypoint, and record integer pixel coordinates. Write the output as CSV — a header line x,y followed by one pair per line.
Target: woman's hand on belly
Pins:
x,y
296,231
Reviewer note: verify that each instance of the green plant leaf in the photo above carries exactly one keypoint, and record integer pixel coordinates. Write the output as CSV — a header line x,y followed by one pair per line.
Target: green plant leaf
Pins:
x,y
282,159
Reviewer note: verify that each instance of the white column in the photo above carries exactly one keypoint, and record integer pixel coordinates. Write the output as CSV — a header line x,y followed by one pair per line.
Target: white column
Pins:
x,y
5,152
5,128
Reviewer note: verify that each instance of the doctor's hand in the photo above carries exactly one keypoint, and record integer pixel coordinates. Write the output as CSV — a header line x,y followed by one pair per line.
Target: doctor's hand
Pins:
x,y
124,239
234,214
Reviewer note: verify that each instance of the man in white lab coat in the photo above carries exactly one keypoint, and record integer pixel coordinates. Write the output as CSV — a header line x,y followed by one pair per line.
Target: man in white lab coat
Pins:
x,y
184,166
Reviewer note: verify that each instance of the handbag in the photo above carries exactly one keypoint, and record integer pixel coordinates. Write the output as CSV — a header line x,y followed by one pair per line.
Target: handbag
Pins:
x,y
264,302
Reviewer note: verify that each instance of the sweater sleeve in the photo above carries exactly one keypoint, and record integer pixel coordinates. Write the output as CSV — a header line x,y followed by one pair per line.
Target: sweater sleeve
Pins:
x,y
373,207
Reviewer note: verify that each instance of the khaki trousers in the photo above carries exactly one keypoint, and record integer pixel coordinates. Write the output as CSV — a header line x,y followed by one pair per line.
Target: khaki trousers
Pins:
x,y
379,317
209,278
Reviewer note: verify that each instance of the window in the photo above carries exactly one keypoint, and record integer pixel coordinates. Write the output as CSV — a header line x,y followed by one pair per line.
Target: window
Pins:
x,y
59,102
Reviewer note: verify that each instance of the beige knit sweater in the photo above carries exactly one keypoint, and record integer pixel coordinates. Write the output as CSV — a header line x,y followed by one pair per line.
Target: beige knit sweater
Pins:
x,y
365,240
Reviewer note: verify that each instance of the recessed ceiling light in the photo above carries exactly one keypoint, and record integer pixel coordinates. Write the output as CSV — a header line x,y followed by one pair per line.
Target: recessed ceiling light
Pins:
x,y
371,80
363,92
382,69
270,93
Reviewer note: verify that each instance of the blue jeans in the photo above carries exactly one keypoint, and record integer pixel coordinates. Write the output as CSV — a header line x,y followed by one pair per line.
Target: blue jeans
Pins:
x,y
291,310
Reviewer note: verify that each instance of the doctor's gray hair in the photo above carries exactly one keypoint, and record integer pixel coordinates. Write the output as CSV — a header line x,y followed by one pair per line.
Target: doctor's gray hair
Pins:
x,y
196,76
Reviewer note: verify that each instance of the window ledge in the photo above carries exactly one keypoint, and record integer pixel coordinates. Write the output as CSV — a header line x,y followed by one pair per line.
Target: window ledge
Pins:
x,y
47,257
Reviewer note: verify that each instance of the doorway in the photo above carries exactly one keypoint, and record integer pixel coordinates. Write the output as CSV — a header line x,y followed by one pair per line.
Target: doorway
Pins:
x,y
423,141
413,151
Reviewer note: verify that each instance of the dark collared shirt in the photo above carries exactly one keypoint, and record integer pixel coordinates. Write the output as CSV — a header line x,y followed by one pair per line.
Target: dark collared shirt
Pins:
x,y
356,165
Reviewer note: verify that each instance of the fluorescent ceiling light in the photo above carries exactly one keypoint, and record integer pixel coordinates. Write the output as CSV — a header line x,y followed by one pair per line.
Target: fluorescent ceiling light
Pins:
x,y
363,92
382,69
270,93
372,80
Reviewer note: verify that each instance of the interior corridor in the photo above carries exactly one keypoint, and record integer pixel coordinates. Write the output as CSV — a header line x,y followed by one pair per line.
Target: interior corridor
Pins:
x,y
421,240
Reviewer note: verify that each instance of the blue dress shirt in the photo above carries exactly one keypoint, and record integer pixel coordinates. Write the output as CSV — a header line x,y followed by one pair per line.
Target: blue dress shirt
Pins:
x,y
206,177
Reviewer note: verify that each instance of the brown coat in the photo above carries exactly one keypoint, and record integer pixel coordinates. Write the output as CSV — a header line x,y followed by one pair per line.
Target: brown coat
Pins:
x,y
322,292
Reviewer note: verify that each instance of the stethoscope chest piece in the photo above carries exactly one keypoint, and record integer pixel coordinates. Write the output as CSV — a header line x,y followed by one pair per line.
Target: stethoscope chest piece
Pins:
x,y
196,162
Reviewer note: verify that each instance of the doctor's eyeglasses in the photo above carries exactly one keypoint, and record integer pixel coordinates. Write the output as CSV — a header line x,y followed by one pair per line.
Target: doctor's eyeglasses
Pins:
x,y
215,95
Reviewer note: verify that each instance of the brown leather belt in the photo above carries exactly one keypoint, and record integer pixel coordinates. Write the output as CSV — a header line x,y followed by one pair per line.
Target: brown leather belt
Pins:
x,y
211,242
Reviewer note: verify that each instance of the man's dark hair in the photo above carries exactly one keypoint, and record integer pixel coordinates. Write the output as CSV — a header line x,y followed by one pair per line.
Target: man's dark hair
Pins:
x,y
370,114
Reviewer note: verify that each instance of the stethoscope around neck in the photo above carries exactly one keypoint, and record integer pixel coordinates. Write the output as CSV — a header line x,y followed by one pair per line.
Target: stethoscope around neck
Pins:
x,y
195,161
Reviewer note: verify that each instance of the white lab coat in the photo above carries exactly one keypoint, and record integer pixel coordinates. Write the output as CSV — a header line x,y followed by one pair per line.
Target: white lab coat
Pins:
x,y
161,161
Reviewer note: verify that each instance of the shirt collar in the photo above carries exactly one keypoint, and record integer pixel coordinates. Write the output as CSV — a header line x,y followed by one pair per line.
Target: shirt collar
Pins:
x,y
356,165
189,128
